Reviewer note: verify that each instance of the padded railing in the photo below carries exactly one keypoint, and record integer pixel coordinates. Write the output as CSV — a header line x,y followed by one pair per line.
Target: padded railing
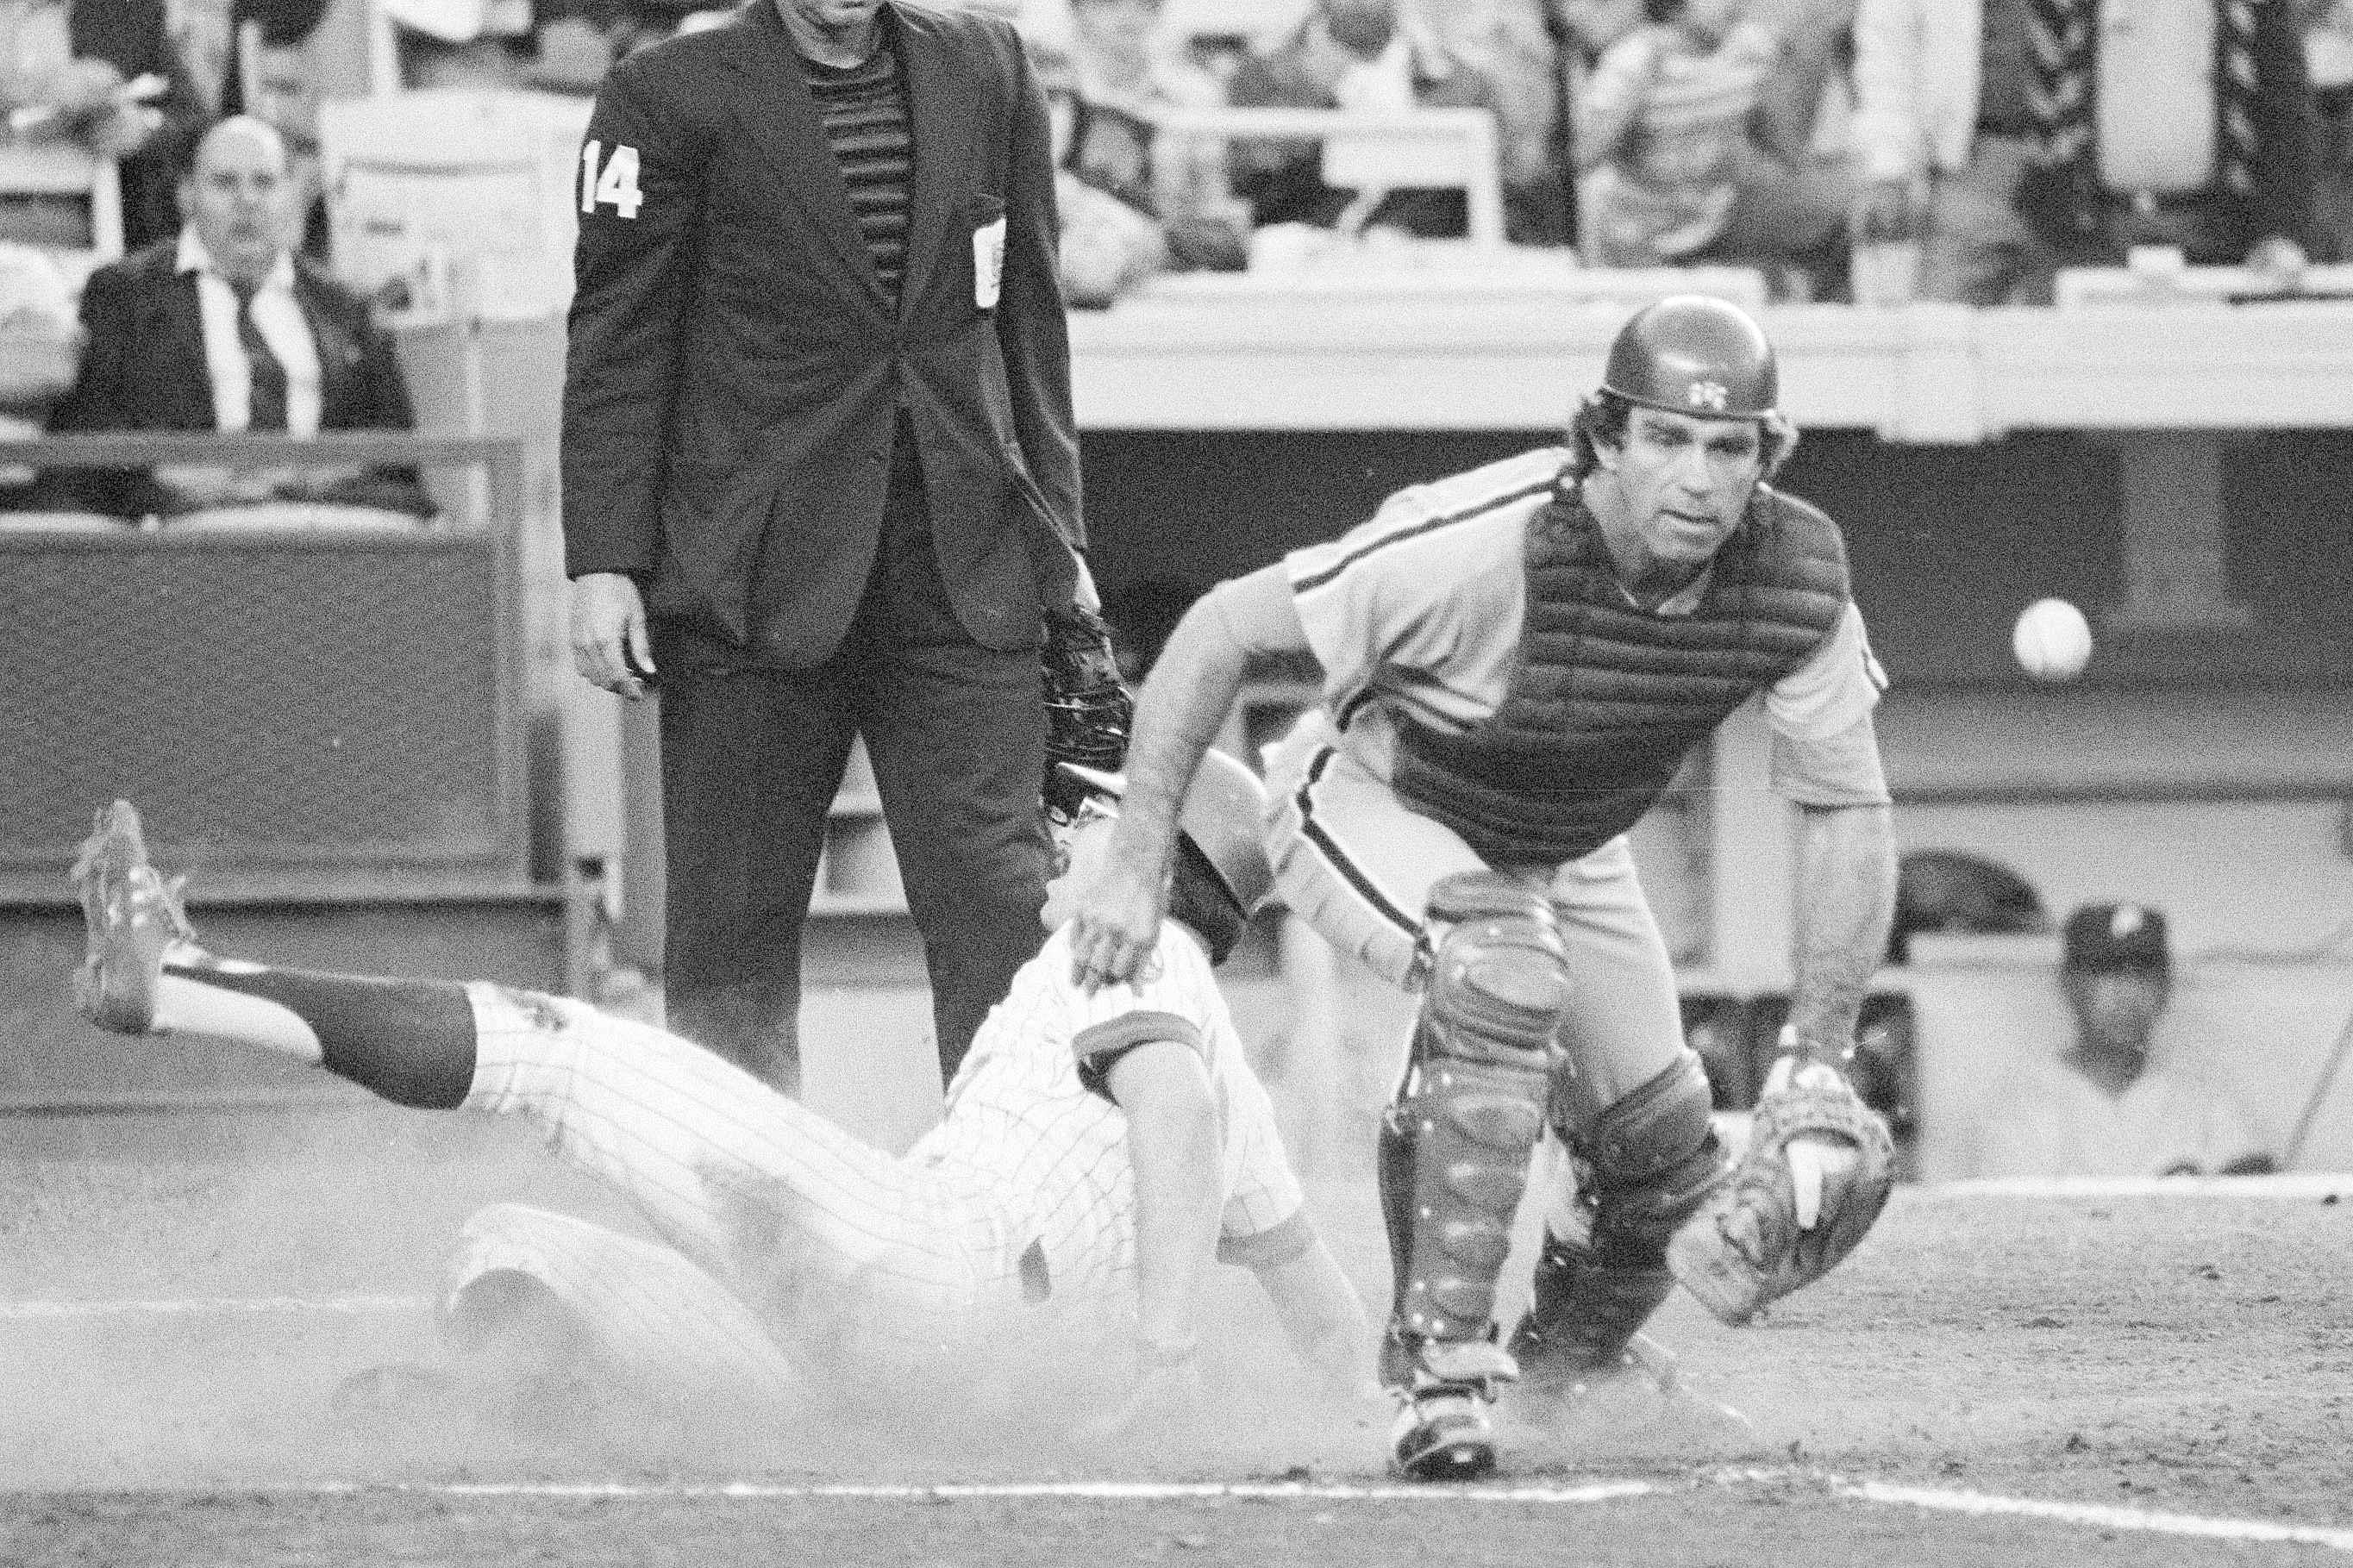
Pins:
x,y
302,713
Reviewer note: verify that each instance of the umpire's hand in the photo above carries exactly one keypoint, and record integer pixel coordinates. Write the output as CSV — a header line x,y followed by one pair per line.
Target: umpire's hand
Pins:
x,y
1116,926
609,647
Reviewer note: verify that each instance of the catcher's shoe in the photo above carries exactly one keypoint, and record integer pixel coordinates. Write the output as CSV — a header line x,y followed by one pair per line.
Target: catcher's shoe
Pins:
x,y
1443,1435
130,916
1444,1429
1638,1398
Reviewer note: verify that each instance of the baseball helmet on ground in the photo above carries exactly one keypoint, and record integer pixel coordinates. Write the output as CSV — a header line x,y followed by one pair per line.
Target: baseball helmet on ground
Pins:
x,y
1221,816
1695,355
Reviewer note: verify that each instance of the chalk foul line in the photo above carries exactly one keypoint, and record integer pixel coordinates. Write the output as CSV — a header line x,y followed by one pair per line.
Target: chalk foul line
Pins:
x,y
2094,1516
2089,1516
219,1306
1000,1491
2098,1516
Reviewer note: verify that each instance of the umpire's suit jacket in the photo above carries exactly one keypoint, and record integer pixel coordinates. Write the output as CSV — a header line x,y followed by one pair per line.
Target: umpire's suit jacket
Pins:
x,y
735,367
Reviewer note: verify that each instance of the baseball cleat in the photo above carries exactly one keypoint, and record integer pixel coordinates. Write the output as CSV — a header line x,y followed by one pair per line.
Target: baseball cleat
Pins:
x,y
1445,1390
130,916
1443,1435
1636,1399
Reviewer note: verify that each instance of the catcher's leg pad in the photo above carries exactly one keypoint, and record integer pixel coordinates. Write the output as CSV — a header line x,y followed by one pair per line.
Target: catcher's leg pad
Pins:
x,y
1456,1145
1585,1310
1753,1243
1654,1158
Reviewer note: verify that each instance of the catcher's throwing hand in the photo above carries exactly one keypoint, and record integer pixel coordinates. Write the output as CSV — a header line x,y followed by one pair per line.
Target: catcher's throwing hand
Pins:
x,y
1115,927
609,646
1815,1175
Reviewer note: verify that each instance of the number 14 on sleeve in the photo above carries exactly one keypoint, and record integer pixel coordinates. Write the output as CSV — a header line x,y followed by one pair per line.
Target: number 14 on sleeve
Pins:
x,y
616,186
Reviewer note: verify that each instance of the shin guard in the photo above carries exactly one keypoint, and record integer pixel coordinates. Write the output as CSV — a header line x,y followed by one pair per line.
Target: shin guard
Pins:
x,y
1455,1146
1654,1158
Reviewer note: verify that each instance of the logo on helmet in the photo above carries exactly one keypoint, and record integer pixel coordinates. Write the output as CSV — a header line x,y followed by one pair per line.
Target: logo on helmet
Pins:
x,y
1708,395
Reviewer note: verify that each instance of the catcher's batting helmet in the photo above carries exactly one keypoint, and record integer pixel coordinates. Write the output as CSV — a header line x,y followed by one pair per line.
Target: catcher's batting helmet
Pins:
x,y
1221,816
1695,355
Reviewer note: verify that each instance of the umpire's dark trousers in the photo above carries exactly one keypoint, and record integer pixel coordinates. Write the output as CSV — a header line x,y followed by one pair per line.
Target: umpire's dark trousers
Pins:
x,y
751,762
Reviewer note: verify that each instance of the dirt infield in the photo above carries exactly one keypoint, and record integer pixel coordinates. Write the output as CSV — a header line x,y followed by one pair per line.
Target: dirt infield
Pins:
x,y
2121,1378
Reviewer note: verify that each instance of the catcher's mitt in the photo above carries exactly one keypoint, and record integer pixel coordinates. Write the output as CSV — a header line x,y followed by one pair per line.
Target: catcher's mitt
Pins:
x,y
1088,709
1813,1178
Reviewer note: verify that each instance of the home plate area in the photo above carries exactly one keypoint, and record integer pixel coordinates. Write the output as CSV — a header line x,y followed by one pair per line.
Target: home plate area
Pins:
x,y
2144,1373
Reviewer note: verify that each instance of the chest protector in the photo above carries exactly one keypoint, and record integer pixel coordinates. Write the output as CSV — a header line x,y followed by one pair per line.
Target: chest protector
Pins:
x,y
1605,699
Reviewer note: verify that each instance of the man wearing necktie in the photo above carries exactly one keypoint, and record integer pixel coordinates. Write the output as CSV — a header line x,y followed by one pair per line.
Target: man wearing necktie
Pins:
x,y
265,388
225,328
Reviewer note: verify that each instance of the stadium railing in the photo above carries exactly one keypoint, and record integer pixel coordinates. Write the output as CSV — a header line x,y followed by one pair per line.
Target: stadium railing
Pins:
x,y
305,713
1372,154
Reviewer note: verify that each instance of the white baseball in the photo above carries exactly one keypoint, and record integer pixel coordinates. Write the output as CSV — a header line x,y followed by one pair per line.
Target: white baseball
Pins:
x,y
2051,639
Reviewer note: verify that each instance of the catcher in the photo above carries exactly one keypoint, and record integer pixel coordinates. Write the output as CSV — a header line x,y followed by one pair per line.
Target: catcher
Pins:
x,y
1515,662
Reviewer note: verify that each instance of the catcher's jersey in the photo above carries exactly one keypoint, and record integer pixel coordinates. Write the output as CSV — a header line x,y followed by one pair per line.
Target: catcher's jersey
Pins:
x,y
1420,610
1021,1121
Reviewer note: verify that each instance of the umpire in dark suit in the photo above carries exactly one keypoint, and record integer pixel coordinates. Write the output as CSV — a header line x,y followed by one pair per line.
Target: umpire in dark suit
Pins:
x,y
820,472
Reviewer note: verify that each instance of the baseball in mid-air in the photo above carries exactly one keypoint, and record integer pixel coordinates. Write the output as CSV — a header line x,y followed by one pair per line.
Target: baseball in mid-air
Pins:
x,y
2051,639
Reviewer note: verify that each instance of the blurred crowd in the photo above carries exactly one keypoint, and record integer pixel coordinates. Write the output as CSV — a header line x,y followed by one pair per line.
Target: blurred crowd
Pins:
x,y
1880,150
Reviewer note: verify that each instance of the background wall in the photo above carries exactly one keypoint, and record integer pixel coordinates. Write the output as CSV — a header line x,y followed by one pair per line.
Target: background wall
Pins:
x,y
1947,544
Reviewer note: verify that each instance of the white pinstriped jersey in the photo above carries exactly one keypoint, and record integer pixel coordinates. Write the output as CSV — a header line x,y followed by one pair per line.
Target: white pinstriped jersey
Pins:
x,y
1020,1117
1419,611
847,1253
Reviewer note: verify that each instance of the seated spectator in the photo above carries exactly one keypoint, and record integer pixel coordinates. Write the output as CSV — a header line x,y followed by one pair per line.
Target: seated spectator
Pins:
x,y
1125,69
2329,62
2113,1104
579,40
281,29
2006,167
1108,245
1349,54
287,92
39,347
1589,26
104,74
204,44
1681,163
477,44
1520,51
39,342
225,329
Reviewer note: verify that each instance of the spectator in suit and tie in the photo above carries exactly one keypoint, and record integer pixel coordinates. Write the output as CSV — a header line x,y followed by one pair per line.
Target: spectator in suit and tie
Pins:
x,y
103,74
2010,138
225,329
